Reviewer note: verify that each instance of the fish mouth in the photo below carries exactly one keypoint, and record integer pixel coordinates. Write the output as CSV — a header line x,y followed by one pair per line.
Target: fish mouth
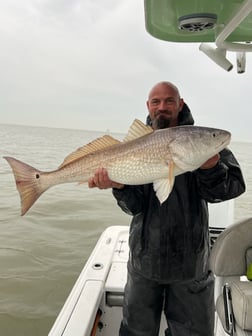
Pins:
x,y
225,142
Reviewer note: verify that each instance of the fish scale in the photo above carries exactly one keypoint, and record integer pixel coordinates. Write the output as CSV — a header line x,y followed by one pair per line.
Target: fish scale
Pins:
x,y
145,156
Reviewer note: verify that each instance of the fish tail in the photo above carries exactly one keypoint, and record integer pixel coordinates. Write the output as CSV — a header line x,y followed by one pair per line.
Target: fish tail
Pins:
x,y
28,183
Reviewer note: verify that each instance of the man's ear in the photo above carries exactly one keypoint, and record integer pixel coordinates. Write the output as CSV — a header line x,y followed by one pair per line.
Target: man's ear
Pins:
x,y
181,104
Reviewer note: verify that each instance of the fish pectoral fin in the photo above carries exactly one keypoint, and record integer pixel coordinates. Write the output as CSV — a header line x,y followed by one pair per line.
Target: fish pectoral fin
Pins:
x,y
137,130
163,188
184,166
96,145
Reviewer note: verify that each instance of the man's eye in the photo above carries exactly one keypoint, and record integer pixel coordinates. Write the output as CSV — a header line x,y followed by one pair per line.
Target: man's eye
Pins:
x,y
170,101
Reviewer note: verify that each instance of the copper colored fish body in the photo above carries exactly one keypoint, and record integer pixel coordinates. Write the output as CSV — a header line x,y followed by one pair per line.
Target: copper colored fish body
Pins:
x,y
143,157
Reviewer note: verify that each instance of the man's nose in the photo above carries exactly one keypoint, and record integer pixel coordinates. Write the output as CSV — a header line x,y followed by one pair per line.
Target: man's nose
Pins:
x,y
162,105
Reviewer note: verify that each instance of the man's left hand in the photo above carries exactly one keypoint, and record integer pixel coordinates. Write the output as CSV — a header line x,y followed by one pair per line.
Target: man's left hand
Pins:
x,y
210,163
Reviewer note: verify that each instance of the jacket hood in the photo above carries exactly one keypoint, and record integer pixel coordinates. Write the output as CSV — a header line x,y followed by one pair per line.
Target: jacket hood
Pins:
x,y
184,118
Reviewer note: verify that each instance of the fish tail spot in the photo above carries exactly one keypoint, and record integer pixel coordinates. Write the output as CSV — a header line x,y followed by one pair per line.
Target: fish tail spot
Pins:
x,y
28,182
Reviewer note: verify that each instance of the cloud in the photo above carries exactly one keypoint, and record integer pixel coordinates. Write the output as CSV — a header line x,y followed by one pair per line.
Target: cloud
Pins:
x,y
90,64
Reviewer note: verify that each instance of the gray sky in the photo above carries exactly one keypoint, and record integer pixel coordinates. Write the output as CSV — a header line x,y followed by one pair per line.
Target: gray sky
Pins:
x,y
89,64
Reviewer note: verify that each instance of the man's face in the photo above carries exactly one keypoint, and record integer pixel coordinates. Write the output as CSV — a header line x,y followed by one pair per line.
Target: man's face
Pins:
x,y
164,105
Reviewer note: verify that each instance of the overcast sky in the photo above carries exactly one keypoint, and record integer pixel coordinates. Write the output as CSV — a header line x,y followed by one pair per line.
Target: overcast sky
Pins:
x,y
89,64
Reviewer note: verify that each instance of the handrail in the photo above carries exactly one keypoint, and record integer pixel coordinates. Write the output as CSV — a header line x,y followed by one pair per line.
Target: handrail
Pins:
x,y
221,42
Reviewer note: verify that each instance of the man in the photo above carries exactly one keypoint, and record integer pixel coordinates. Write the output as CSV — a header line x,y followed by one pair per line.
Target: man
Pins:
x,y
169,243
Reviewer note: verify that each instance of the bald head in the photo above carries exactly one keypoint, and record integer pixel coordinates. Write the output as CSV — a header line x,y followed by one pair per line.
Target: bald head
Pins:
x,y
164,104
163,86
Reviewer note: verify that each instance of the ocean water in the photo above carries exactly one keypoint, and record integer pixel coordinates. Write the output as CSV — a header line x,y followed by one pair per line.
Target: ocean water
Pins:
x,y
43,252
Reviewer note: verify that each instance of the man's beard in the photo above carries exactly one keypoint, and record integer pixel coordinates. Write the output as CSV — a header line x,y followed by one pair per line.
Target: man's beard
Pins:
x,y
160,122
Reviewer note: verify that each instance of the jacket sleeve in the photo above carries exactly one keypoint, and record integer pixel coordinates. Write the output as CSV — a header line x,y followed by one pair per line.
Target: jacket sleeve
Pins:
x,y
130,199
222,182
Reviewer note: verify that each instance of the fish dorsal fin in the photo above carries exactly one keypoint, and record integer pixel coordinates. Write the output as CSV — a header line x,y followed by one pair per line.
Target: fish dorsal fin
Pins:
x,y
94,146
137,130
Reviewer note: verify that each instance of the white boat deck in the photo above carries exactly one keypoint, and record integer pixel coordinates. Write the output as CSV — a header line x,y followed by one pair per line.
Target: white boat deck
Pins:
x,y
99,289
94,306
90,290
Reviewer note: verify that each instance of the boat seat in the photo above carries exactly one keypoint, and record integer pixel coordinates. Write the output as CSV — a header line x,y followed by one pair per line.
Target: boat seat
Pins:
x,y
229,260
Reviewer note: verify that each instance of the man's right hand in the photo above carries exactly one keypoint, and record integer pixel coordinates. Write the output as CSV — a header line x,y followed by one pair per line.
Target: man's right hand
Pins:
x,y
102,181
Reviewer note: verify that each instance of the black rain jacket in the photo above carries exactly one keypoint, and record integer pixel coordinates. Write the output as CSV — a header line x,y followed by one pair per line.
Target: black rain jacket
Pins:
x,y
170,242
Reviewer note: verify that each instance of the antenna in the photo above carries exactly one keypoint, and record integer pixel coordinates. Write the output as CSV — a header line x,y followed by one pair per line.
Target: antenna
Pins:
x,y
241,61
218,55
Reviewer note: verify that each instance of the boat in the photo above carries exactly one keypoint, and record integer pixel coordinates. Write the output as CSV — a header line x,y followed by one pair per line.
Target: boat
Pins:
x,y
219,26
94,305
